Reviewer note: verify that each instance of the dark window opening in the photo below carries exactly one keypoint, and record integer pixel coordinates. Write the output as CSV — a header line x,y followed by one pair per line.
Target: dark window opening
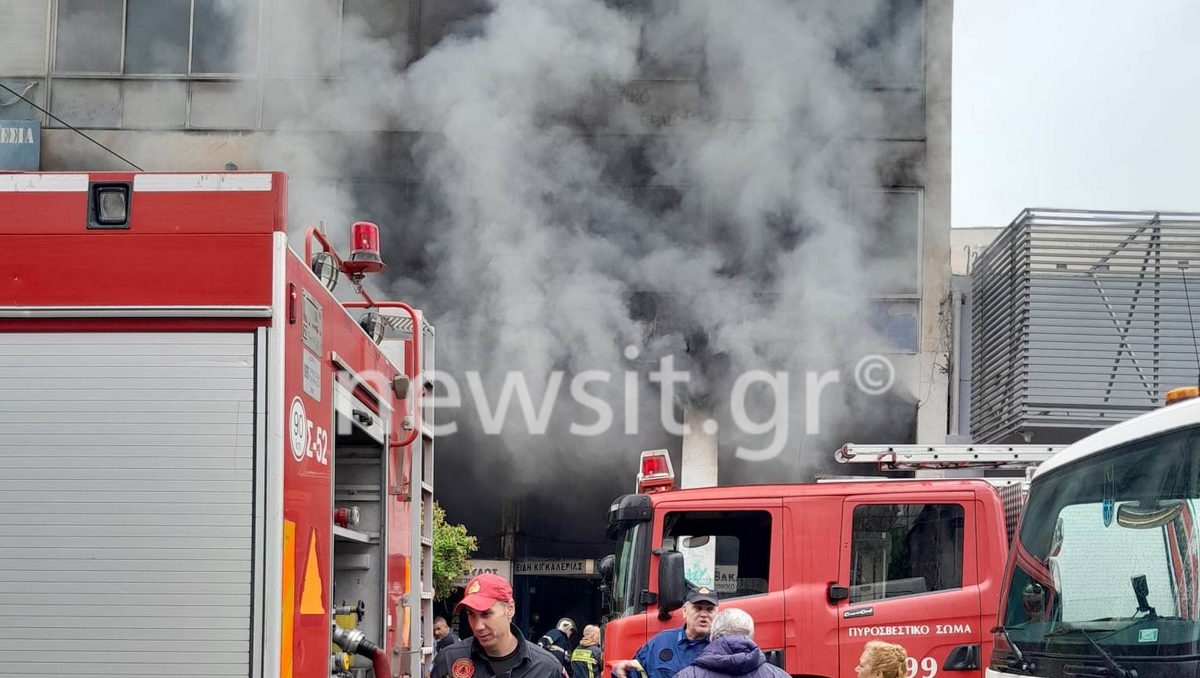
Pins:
x,y
156,36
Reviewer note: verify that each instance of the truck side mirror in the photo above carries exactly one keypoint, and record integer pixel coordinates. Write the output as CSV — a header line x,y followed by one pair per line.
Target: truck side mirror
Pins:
x,y
671,585
606,567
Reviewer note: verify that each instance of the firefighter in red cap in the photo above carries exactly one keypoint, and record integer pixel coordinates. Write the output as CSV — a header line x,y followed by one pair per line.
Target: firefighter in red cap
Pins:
x,y
497,647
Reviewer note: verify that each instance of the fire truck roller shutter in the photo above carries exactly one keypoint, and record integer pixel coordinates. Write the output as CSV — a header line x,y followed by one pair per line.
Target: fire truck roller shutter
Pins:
x,y
128,466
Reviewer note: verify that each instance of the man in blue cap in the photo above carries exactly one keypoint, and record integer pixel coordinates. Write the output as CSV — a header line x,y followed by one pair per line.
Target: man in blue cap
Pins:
x,y
672,650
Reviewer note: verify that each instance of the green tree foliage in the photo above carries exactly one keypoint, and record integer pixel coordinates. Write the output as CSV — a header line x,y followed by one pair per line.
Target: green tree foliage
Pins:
x,y
452,549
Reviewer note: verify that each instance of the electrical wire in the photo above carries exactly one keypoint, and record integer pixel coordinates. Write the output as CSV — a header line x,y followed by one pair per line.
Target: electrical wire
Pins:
x,y
69,126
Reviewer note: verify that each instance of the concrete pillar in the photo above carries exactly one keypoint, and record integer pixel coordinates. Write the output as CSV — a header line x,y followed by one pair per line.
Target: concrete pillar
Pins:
x,y
698,465
698,468
510,519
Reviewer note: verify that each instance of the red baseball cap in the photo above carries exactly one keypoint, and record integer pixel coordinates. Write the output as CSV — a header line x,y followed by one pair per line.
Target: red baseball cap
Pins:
x,y
485,591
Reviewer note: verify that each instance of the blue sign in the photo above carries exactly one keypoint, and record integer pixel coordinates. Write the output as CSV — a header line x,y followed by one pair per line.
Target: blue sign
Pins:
x,y
20,145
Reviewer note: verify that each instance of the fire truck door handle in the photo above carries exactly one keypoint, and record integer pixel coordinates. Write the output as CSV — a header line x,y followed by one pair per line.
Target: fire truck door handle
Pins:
x,y
363,418
962,658
837,593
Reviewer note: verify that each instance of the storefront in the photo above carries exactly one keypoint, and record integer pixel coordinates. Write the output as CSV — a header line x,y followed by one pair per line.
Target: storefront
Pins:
x,y
549,589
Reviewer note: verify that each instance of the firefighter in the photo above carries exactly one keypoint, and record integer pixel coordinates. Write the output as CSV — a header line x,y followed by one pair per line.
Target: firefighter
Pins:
x,y
497,647
672,650
557,641
587,660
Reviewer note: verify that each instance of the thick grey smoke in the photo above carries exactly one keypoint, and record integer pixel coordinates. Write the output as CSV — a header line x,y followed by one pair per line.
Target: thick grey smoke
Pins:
x,y
691,178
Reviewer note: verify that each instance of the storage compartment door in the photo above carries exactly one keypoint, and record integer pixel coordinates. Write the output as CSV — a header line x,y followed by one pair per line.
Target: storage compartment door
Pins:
x,y
127,490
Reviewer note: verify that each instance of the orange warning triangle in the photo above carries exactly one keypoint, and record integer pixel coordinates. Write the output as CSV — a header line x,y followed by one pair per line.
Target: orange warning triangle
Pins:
x,y
311,599
289,598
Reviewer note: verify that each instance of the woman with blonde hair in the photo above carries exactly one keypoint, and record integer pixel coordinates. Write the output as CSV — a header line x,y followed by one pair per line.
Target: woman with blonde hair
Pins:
x,y
882,660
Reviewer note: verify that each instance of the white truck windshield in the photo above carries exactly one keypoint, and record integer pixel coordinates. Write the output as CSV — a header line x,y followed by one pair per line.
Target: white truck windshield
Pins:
x,y
1110,545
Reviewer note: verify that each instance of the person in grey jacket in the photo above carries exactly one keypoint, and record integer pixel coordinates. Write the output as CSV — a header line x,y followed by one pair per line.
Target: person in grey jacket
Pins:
x,y
732,652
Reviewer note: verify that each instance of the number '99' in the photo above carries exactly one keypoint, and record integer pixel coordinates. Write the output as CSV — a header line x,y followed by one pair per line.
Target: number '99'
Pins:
x,y
927,667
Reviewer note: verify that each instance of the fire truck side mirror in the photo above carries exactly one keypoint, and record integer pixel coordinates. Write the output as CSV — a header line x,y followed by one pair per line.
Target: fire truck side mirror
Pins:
x,y
672,588
607,565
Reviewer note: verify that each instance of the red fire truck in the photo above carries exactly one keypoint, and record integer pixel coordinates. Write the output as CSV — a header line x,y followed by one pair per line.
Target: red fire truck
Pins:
x,y
825,567
208,464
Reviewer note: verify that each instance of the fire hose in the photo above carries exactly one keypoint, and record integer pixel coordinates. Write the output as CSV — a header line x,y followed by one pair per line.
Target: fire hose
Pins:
x,y
354,641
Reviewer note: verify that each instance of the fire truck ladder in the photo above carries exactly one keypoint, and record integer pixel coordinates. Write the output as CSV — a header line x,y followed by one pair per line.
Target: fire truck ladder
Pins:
x,y
424,520
420,482
1012,491
930,457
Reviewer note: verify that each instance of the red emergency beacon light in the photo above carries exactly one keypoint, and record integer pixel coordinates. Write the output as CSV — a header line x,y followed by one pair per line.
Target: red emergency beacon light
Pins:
x,y
364,249
657,474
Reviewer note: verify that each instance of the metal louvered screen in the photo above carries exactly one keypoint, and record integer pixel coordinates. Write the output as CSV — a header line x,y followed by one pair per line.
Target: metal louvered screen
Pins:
x,y
1013,498
1080,320
127,486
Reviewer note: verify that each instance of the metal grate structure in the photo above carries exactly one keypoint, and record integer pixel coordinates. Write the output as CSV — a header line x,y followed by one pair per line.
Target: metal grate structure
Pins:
x,y
1013,498
1080,320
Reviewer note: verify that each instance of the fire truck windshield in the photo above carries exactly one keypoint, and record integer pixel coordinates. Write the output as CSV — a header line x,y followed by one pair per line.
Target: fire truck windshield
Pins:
x,y
1109,551
630,571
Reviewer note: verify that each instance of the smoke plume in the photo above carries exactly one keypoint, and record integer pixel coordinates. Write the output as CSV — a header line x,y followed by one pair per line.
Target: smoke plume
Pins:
x,y
696,179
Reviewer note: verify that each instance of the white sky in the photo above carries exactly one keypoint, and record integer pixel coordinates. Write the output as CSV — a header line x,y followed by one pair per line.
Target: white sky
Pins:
x,y
1081,104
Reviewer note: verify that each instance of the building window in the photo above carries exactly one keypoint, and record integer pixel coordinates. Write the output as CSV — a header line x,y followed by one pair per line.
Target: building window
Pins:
x,y
23,37
13,108
88,103
218,64
889,46
889,224
156,37
904,550
898,324
224,36
89,36
727,551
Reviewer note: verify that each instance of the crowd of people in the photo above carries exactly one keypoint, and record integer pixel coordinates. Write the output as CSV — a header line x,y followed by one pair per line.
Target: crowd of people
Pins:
x,y
712,643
